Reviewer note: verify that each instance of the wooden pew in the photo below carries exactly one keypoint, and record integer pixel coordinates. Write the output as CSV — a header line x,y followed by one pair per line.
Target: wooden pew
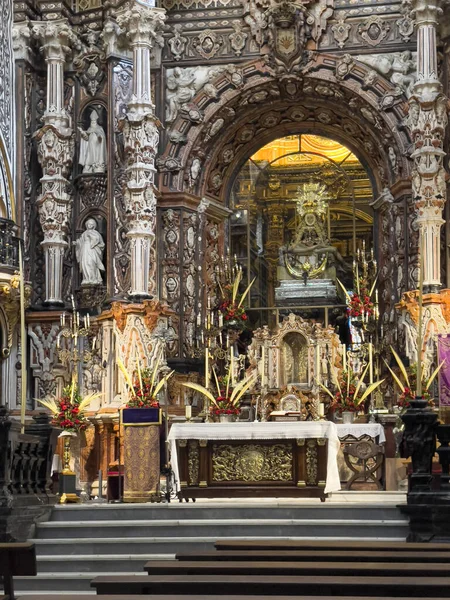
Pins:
x,y
190,597
16,559
287,585
313,569
328,545
317,555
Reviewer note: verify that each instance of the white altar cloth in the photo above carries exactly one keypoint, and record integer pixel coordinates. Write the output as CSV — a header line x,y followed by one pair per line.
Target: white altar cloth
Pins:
x,y
260,431
358,429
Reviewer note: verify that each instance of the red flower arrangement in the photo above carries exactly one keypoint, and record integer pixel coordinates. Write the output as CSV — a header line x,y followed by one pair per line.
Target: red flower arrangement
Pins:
x,y
68,409
361,305
143,385
143,395
232,311
224,406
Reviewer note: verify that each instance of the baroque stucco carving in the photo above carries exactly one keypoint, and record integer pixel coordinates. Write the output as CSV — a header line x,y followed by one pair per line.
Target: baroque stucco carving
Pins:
x,y
398,67
230,117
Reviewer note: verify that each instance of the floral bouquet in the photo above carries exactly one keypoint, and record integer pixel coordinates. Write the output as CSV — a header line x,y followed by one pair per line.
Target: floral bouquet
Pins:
x,y
409,384
143,385
231,304
227,400
350,392
361,305
68,410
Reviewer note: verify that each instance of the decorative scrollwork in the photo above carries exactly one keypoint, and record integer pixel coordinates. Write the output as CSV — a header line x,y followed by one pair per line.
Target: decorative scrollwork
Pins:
x,y
193,462
311,462
252,462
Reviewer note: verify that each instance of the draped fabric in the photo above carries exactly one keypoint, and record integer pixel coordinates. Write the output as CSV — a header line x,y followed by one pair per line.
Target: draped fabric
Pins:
x,y
444,373
260,431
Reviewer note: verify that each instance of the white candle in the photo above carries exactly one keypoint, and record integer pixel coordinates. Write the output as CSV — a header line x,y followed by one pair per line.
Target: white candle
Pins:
x,y
221,320
93,342
321,409
188,412
207,368
199,320
231,365
344,357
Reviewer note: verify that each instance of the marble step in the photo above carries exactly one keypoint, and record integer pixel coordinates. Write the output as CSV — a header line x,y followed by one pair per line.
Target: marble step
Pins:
x,y
104,563
280,510
67,582
222,527
69,547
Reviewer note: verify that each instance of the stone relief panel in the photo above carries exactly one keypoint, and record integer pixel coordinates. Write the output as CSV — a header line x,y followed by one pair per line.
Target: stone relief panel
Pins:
x,y
6,75
170,270
190,279
122,78
44,360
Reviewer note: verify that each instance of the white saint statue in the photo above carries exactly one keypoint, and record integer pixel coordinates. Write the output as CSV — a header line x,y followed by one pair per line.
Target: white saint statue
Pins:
x,y
89,252
93,147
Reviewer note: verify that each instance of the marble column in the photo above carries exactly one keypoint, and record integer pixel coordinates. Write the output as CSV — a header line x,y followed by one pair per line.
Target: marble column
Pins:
x,y
427,121
141,136
55,154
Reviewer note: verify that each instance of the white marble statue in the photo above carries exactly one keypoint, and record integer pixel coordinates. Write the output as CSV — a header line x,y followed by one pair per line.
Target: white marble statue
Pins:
x,y
93,147
89,250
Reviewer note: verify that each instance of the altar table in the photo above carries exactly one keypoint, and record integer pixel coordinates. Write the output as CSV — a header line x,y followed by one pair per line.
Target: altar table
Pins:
x,y
255,459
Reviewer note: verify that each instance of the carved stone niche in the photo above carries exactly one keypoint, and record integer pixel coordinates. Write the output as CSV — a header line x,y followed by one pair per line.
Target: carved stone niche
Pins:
x,y
297,353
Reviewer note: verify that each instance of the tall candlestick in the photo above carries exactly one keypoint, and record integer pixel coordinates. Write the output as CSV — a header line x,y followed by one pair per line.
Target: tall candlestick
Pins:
x,y
221,320
317,363
370,362
263,366
344,357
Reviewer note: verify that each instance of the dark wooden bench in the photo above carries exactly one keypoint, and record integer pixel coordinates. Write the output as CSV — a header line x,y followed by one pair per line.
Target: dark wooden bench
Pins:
x,y
317,555
350,569
16,559
328,545
271,585
190,597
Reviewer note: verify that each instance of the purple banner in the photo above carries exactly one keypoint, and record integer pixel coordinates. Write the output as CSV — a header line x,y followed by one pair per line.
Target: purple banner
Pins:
x,y
444,373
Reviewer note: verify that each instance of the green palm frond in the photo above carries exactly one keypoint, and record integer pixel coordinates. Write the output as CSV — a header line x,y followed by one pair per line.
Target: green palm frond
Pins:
x,y
202,390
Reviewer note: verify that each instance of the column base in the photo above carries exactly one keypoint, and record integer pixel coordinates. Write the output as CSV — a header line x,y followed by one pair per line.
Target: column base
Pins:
x,y
53,304
139,298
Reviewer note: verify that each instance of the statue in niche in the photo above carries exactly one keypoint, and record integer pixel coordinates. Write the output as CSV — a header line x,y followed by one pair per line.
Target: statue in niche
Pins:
x,y
89,250
93,146
294,353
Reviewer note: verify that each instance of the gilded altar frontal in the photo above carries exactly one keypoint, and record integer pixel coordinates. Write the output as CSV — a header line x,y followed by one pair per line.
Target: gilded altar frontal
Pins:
x,y
224,249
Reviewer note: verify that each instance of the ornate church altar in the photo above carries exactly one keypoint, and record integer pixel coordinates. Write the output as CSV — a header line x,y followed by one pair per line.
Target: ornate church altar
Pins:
x,y
296,459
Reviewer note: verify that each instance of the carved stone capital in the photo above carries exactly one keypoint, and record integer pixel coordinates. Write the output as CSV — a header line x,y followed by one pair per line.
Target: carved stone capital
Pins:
x,y
426,12
56,39
142,25
21,40
110,34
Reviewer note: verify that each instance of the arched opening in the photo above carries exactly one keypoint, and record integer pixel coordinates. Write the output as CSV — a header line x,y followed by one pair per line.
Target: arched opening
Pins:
x,y
301,211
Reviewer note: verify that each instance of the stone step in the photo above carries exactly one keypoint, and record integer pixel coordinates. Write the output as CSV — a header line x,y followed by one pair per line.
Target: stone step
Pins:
x,y
177,511
67,582
223,527
69,547
105,563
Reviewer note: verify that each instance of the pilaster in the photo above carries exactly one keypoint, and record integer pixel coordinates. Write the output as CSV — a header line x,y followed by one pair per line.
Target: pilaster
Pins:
x,y
141,137
55,154
428,120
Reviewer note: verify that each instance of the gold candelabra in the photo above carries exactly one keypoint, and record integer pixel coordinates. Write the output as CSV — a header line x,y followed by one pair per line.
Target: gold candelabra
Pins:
x,y
72,329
